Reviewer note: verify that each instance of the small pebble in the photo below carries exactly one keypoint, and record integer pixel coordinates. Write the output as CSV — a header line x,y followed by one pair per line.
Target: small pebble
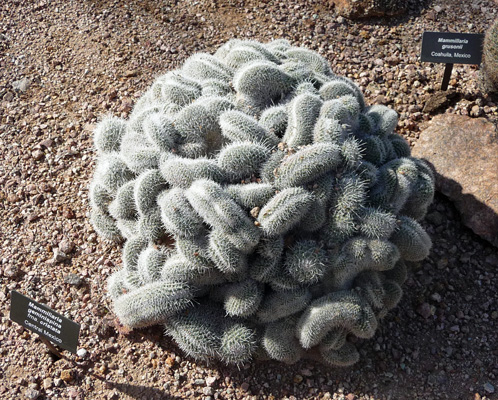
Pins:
x,y
9,96
37,155
66,246
72,392
425,310
82,353
489,388
11,271
113,395
210,380
47,143
66,375
22,84
58,257
208,391
436,297
170,361
47,383
255,212
73,279
32,394
476,111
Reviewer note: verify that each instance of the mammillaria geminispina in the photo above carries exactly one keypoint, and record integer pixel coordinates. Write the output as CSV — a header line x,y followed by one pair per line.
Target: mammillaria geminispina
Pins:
x,y
267,212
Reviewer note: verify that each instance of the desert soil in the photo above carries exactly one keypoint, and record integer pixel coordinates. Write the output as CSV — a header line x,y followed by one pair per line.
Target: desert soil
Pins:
x,y
65,64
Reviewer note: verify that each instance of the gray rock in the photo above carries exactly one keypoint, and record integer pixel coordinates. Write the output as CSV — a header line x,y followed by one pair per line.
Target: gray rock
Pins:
x,y
32,394
73,279
22,84
489,388
464,153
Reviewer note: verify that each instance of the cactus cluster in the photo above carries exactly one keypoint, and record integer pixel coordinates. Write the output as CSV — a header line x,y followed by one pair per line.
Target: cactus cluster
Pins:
x,y
489,71
267,211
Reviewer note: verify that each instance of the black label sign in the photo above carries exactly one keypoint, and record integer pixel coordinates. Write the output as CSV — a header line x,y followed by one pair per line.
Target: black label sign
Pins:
x,y
452,48
45,322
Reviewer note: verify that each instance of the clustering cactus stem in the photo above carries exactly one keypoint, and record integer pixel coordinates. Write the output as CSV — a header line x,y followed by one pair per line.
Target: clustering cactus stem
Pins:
x,y
267,211
490,59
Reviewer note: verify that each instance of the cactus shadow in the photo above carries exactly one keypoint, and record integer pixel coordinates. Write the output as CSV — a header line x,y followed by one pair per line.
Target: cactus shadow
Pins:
x,y
415,9
141,392
481,219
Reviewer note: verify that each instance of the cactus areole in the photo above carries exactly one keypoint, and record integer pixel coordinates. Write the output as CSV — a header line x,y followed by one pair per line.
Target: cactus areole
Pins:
x,y
267,211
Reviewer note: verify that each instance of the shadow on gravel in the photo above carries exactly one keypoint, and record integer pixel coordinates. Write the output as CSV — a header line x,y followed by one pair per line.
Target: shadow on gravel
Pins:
x,y
415,9
141,392
474,214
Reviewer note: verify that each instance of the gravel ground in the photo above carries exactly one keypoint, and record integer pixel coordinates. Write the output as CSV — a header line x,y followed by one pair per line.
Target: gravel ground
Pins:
x,y
64,64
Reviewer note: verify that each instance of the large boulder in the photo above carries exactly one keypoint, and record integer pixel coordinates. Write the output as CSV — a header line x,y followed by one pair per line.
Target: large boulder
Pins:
x,y
464,153
369,8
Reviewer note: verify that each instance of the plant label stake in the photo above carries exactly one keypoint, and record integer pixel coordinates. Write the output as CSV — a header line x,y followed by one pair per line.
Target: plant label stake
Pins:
x,y
49,325
451,48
